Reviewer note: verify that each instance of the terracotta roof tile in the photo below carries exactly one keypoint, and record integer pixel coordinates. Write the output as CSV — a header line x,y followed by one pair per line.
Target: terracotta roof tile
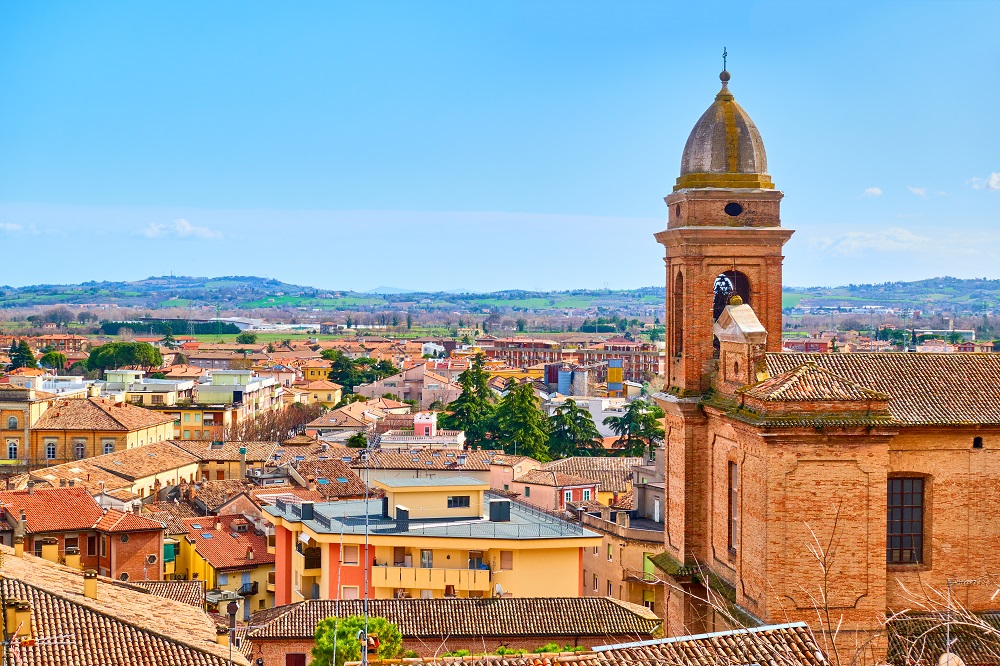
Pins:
x,y
119,521
476,461
923,389
226,548
206,449
542,477
614,473
145,460
52,509
789,644
99,414
503,616
190,592
121,627
811,382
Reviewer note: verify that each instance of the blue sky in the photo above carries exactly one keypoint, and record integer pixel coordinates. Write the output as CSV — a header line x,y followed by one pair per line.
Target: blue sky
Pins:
x,y
483,145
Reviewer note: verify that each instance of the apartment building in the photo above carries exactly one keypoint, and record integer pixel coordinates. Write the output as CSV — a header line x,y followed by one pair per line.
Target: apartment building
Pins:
x,y
428,538
640,360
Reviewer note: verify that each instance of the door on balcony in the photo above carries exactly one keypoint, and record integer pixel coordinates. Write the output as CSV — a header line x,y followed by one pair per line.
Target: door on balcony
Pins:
x,y
244,585
656,509
648,572
475,559
426,559
398,556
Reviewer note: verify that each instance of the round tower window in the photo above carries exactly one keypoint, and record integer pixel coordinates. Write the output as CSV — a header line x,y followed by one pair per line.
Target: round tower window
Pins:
x,y
733,209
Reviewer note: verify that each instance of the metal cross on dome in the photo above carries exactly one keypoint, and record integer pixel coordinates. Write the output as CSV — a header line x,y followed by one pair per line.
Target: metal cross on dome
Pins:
x,y
724,55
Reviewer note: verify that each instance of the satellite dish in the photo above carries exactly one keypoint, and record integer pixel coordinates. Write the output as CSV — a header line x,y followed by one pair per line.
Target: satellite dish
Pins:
x,y
498,590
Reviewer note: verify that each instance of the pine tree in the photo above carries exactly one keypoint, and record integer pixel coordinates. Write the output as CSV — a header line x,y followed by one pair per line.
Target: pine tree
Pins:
x,y
473,410
573,432
521,426
21,356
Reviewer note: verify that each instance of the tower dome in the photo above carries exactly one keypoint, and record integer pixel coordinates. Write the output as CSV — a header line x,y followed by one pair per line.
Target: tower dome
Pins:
x,y
724,149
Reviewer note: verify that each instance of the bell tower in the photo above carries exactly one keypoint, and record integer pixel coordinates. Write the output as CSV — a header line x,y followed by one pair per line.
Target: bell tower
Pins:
x,y
723,238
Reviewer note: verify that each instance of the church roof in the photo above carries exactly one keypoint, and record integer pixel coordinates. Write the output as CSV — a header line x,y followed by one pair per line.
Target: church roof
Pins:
x,y
724,148
811,382
923,389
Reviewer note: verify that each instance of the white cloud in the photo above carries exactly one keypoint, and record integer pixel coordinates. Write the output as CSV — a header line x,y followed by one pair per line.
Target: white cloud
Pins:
x,y
919,191
179,229
873,191
10,226
994,181
888,240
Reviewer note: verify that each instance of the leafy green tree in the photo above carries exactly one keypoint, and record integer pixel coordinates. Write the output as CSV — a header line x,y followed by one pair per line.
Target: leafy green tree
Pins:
x,y
357,441
246,338
168,335
21,355
522,324
337,640
638,428
53,359
117,354
573,433
520,425
409,320
473,410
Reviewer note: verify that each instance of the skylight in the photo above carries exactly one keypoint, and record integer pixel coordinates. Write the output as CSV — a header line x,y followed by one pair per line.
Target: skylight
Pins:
x,y
197,526
206,535
341,479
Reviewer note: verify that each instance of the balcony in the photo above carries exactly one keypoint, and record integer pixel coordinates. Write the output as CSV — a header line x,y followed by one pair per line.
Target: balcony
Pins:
x,y
477,580
270,581
635,576
248,589
310,563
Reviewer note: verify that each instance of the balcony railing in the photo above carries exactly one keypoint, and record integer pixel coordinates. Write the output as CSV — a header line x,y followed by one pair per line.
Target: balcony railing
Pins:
x,y
635,576
432,578
248,589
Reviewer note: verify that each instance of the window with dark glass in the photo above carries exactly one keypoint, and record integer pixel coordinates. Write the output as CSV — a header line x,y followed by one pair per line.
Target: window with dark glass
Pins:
x,y
459,501
734,516
905,521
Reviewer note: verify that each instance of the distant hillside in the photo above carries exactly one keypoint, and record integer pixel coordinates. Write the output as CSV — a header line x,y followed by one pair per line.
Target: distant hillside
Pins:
x,y
252,293
944,294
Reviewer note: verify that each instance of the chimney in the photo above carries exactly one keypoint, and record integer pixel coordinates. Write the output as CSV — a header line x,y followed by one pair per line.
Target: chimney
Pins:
x,y
72,482
50,549
90,584
72,559
221,635
249,552
243,462
218,523
312,483
62,483
31,488
18,616
19,546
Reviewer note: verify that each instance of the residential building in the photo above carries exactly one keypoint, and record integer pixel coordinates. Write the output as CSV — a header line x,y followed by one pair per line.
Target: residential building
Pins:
x,y
322,392
227,553
639,360
132,387
419,383
64,615
505,468
613,473
227,459
132,474
427,538
355,417
66,525
62,342
436,626
554,491
78,429
20,408
316,370
424,435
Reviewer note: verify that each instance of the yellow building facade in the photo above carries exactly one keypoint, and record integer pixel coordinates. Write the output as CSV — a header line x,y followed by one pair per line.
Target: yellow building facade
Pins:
x,y
427,538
